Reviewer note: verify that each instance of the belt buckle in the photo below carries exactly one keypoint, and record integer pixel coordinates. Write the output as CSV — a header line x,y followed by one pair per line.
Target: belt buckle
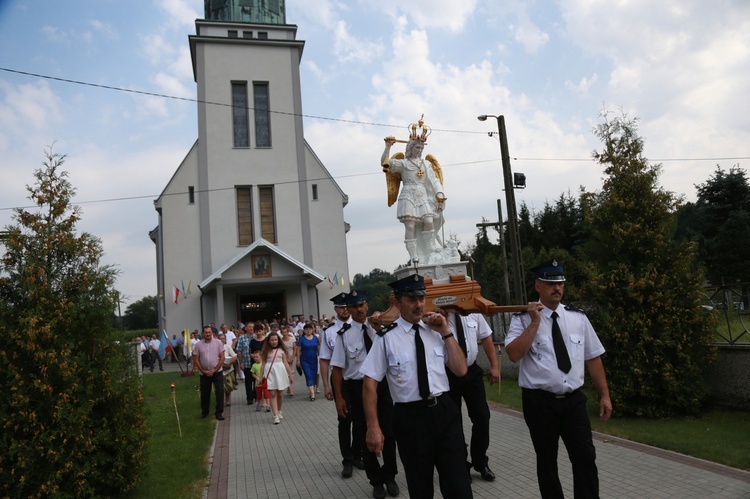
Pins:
x,y
559,395
432,402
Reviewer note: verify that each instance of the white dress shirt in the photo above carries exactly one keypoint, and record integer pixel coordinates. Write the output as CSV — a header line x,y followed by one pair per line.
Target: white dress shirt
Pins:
x,y
394,356
538,368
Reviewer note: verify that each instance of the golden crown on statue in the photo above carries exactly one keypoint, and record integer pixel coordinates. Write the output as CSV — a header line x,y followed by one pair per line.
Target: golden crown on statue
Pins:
x,y
419,131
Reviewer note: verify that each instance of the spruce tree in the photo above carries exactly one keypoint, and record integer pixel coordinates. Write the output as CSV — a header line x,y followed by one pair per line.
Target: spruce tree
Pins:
x,y
71,414
642,285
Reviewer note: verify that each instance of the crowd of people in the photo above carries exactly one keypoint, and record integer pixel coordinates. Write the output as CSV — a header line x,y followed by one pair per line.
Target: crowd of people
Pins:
x,y
401,386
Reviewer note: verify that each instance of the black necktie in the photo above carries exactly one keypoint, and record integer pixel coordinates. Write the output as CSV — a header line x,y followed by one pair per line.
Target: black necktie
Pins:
x,y
424,383
368,340
461,335
563,361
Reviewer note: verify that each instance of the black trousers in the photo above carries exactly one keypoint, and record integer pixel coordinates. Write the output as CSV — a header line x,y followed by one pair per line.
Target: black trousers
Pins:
x,y
352,393
217,381
470,388
249,385
155,356
549,418
349,447
429,438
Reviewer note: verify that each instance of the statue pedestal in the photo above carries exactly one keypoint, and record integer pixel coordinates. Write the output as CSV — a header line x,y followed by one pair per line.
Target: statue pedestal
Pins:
x,y
439,273
449,287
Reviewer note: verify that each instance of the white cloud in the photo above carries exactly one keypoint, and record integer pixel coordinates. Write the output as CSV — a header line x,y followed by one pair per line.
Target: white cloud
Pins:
x,y
182,14
583,85
440,14
104,30
27,114
348,48
529,36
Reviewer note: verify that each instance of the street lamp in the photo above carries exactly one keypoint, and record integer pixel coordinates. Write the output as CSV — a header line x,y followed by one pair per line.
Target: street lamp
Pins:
x,y
510,204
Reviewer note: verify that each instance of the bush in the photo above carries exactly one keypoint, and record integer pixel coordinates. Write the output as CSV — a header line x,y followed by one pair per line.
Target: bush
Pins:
x,y
71,416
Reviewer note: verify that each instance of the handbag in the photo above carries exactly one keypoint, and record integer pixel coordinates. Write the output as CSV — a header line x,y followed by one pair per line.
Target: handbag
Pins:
x,y
299,370
264,379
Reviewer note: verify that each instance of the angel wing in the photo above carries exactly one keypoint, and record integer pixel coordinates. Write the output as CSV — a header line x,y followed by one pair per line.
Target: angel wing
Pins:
x,y
435,167
393,181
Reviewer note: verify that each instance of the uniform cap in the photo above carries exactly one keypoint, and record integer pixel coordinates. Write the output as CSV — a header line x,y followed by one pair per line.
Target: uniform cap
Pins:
x,y
340,299
412,285
549,272
356,298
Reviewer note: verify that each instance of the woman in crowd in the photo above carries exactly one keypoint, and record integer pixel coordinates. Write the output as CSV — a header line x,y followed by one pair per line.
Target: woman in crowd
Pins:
x,y
230,360
277,373
308,347
256,343
289,345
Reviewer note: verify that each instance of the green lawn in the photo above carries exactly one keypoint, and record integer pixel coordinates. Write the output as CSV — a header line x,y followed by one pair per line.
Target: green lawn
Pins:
x,y
718,435
176,467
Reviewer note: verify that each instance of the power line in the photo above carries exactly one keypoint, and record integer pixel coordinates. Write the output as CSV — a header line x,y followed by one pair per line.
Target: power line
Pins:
x,y
188,99
284,113
325,118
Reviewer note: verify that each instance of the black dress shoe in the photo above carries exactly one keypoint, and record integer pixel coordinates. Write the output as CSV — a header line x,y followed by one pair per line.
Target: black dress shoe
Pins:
x,y
378,491
392,487
347,471
220,417
358,463
486,473
204,415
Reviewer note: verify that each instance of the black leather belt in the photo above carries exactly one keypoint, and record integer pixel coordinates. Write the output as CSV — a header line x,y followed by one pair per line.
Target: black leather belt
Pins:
x,y
428,402
546,394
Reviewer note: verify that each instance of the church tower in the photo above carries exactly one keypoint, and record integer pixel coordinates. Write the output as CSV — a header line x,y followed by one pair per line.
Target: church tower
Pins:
x,y
252,217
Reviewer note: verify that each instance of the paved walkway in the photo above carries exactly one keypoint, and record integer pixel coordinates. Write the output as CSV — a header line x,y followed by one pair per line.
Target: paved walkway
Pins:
x,y
253,458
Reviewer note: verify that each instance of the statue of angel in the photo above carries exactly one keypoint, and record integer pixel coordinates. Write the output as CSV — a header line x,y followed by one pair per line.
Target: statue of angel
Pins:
x,y
422,200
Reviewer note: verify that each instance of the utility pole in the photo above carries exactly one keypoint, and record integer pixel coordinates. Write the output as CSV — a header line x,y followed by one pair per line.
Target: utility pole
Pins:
x,y
500,228
519,286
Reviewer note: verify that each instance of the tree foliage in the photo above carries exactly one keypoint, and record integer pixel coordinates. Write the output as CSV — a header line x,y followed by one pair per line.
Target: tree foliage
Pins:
x,y
643,284
142,314
71,415
717,221
375,286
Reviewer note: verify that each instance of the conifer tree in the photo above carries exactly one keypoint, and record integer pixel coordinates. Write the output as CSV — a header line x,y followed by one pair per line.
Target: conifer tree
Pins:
x,y
643,285
71,413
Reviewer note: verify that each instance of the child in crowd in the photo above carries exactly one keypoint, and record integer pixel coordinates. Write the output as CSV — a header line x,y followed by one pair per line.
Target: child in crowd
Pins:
x,y
261,389
276,371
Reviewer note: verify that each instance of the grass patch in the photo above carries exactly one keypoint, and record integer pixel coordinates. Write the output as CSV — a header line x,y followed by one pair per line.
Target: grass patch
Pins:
x,y
718,435
175,467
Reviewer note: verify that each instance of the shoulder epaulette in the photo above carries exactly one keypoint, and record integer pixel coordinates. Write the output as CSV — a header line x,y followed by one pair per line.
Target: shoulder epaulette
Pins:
x,y
519,314
571,308
329,325
344,328
387,328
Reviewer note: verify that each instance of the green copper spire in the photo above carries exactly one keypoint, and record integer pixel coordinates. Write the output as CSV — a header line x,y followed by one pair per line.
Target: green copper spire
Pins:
x,y
246,11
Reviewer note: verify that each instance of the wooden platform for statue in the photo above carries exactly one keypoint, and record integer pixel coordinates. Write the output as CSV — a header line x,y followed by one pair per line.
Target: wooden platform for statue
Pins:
x,y
456,293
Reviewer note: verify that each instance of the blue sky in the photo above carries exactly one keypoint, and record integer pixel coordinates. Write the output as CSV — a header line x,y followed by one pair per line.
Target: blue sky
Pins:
x,y
680,66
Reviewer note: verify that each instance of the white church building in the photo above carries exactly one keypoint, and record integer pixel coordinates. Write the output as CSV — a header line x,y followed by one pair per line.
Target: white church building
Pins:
x,y
251,225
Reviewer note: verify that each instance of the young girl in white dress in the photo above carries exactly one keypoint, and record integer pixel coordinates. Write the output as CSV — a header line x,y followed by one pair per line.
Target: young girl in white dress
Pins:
x,y
276,370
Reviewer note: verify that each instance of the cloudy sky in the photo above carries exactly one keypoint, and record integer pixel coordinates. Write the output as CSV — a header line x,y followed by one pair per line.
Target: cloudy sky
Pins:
x,y
369,68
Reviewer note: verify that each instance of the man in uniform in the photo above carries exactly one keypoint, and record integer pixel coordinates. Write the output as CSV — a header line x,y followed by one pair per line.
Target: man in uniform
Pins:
x,y
352,346
469,330
553,342
351,452
412,354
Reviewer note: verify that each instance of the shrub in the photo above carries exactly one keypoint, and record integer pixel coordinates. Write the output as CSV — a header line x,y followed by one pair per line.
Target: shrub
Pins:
x,y
71,414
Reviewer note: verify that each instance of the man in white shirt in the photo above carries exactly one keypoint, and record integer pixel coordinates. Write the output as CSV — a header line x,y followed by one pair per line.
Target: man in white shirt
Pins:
x,y
413,353
553,344
153,347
